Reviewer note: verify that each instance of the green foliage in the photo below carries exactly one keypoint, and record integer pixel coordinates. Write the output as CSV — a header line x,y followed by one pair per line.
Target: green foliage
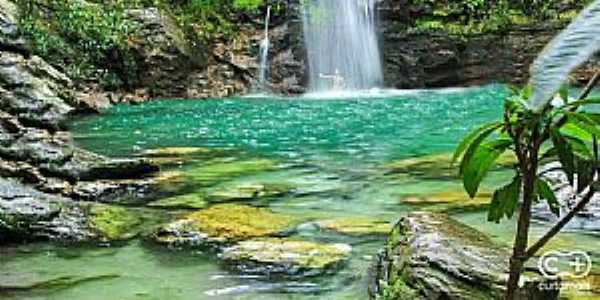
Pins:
x,y
466,17
90,41
505,201
528,130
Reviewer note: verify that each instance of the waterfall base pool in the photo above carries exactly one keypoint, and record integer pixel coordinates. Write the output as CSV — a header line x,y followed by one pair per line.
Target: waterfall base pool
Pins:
x,y
354,158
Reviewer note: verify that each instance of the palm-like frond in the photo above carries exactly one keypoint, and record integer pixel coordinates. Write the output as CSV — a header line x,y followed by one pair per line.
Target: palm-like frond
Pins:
x,y
571,48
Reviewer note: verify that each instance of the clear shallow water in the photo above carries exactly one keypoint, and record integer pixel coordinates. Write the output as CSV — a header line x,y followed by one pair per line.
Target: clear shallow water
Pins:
x,y
336,151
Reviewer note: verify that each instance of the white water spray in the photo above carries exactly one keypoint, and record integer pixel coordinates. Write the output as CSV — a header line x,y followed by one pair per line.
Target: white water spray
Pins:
x,y
342,46
263,55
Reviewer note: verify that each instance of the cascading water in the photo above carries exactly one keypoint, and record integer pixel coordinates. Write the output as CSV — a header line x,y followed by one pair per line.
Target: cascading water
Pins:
x,y
263,54
342,45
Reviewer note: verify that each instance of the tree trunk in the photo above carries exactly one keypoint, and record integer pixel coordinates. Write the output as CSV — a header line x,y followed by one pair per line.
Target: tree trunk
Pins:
x,y
522,237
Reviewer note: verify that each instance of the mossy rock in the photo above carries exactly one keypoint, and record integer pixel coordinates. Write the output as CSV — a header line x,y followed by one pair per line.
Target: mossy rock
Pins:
x,y
436,166
113,223
449,201
187,201
248,191
356,226
224,224
287,257
431,254
221,171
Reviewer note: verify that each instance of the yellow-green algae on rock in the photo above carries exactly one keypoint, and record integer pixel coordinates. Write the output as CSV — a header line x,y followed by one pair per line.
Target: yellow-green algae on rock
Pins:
x,y
113,223
219,171
284,256
224,223
356,226
449,201
436,166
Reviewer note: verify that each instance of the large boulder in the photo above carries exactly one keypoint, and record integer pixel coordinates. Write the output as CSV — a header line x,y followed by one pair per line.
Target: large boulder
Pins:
x,y
431,256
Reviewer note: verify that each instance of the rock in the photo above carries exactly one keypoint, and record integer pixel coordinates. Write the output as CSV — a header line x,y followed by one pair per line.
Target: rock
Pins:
x,y
113,191
113,223
212,173
285,257
167,58
34,91
248,191
435,166
86,166
187,201
356,226
223,224
586,220
431,256
27,214
449,201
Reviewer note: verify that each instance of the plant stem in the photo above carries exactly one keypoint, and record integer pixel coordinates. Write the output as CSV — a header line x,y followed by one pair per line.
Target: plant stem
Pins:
x,y
529,164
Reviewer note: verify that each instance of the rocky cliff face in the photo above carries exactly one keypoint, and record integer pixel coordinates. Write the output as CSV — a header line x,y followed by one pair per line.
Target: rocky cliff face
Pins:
x,y
42,174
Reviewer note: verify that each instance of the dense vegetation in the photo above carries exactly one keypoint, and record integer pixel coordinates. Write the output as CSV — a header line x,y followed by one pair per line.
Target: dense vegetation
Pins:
x,y
466,17
89,39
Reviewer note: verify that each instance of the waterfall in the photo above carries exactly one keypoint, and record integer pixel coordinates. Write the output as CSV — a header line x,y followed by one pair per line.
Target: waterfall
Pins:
x,y
342,45
263,54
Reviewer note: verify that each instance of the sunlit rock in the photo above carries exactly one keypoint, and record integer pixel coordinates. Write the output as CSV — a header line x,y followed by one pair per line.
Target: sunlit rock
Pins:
x,y
275,256
356,226
223,224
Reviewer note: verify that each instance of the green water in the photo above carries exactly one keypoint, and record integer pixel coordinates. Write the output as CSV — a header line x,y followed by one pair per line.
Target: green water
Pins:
x,y
335,151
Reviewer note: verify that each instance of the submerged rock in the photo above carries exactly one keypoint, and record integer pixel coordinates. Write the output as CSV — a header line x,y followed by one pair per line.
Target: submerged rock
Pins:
x,y
186,201
431,256
113,223
449,201
356,226
224,224
435,166
248,191
275,256
215,172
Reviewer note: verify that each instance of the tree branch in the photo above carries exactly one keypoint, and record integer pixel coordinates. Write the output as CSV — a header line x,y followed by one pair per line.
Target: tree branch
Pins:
x,y
561,224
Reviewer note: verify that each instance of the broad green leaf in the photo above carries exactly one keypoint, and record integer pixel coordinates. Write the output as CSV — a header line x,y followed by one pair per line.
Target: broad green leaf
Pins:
x,y
505,201
585,173
579,147
584,122
565,153
544,191
572,129
478,134
474,167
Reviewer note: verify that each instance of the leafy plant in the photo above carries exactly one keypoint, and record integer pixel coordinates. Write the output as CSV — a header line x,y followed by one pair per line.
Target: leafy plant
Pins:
x,y
539,130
